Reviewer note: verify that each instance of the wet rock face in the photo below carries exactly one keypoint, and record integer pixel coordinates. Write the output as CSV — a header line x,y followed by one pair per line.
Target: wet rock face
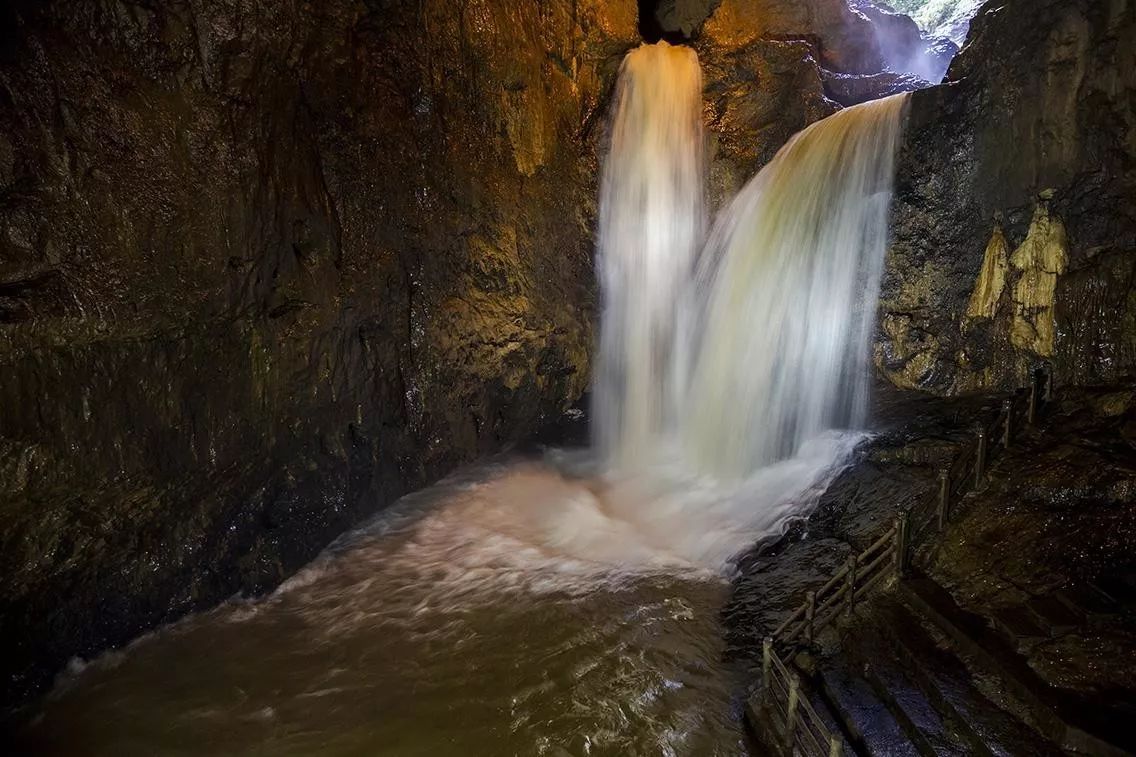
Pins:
x,y
852,89
773,67
756,98
1055,518
1014,233
844,38
264,269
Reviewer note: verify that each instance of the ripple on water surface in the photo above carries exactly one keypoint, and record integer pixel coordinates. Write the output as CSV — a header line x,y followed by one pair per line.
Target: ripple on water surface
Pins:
x,y
516,611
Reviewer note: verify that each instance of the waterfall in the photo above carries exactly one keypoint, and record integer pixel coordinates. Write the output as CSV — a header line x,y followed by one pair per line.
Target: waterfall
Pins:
x,y
651,224
789,288
736,356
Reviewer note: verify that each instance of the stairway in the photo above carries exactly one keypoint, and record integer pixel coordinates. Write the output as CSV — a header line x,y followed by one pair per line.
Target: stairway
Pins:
x,y
1077,723
911,671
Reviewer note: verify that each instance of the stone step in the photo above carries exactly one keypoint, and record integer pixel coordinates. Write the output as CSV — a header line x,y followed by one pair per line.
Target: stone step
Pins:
x,y
1099,728
1054,616
1088,600
1019,626
870,646
980,724
820,704
868,722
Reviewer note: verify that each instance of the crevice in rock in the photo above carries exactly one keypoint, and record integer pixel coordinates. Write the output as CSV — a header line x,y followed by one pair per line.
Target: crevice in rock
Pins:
x,y
675,21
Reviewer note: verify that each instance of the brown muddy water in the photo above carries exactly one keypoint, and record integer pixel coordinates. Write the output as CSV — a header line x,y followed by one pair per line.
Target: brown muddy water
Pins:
x,y
525,608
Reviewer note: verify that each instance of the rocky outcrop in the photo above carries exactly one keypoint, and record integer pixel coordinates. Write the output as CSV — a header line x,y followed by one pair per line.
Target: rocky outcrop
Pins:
x,y
772,67
263,269
756,97
1014,238
845,40
853,89
940,18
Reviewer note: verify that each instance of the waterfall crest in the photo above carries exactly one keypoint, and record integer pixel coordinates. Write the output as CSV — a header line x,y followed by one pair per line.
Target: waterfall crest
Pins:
x,y
788,287
732,358
651,225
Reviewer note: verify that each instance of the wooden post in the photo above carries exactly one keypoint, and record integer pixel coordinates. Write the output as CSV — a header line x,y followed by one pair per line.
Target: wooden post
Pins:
x,y
944,496
810,615
1034,395
791,712
1008,411
766,669
835,747
901,545
980,461
853,562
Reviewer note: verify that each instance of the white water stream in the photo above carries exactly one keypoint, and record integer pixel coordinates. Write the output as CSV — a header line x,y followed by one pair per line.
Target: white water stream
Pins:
x,y
788,295
727,360
543,608
651,226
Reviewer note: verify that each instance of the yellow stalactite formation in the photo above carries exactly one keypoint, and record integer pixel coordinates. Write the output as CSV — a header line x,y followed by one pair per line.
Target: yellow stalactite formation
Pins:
x,y
991,279
1039,260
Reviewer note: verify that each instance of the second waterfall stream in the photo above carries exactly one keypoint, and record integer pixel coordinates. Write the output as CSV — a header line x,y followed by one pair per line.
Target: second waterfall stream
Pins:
x,y
530,606
727,353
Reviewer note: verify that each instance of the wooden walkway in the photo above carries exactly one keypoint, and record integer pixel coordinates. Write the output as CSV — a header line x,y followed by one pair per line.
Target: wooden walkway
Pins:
x,y
778,711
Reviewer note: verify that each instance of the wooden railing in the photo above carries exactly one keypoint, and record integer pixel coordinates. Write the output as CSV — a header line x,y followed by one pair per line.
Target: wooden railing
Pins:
x,y
889,554
861,574
787,713
968,469
789,718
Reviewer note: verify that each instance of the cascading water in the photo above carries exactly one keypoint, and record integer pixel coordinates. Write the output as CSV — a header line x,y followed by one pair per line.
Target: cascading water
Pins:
x,y
651,224
529,610
765,348
790,283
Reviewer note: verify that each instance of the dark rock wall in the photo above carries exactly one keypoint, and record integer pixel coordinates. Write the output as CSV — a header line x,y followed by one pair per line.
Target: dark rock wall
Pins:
x,y
1014,232
265,267
772,67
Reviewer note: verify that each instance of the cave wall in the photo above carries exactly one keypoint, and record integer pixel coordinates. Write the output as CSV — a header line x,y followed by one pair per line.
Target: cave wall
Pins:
x,y
772,67
1014,228
265,267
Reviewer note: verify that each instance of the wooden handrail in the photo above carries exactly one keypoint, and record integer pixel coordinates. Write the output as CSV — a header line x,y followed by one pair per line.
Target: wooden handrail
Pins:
x,y
867,569
791,717
788,621
883,540
834,580
966,470
843,572
801,730
870,584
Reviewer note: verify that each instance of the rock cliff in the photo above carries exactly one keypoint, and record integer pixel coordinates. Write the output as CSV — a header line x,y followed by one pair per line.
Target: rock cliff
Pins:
x,y
773,67
1014,231
265,267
